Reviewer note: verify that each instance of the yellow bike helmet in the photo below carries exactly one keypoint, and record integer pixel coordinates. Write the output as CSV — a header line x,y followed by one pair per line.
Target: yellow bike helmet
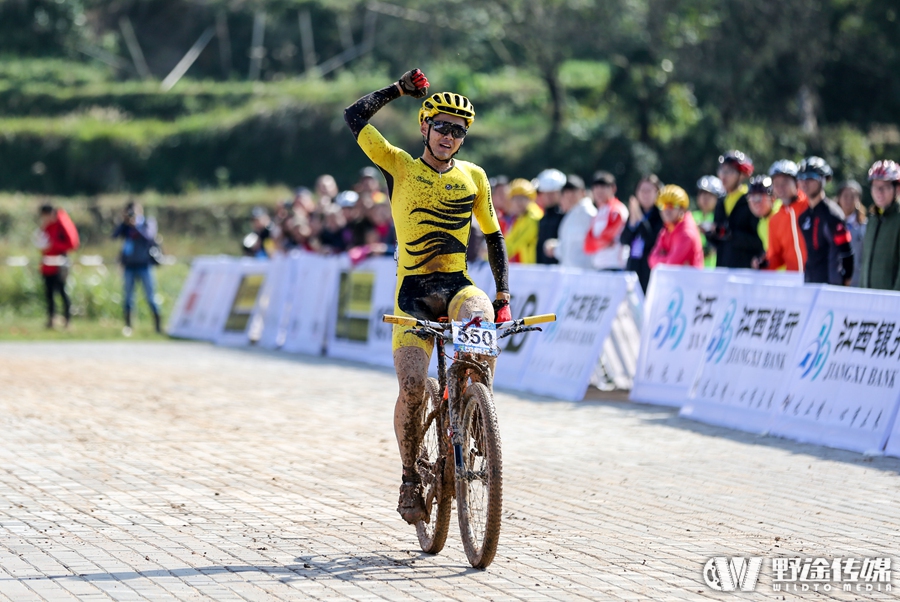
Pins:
x,y
672,195
449,104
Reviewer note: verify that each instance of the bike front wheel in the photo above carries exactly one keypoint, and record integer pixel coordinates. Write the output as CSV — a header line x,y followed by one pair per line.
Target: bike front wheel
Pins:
x,y
479,482
433,465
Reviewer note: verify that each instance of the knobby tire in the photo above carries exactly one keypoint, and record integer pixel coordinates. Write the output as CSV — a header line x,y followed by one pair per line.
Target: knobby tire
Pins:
x,y
434,464
479,496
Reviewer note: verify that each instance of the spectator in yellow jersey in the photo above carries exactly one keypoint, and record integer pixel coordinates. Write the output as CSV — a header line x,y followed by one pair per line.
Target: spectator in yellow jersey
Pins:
x,y
522,237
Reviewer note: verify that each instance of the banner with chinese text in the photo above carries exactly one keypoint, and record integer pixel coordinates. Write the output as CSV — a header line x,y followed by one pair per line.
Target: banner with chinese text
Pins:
x,y
749,354
843,388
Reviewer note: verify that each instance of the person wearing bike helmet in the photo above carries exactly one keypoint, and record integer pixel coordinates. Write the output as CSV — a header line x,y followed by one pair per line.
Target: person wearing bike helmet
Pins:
x,y
787,247
709,191
678,242
881,245
764,207
736,227
829,256
433,199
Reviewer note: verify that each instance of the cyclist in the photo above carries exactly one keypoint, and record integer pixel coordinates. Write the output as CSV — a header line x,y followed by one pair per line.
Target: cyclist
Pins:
x,y
679,241
881,255
736,227
829,256
764,207
787,247
709,191
433,199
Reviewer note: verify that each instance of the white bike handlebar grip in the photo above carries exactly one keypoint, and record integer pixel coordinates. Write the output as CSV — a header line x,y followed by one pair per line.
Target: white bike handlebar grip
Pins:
x,y
401,320
539,319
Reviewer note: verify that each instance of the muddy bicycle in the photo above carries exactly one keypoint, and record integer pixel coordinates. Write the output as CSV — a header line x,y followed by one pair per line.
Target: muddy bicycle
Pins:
x,y
461,443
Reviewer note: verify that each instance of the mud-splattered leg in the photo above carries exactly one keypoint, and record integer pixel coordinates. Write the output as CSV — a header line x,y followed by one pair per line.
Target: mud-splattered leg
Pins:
x,y
411,364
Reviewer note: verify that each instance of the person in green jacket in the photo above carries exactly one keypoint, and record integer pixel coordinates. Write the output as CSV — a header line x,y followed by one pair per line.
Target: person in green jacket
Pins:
x,y
881,245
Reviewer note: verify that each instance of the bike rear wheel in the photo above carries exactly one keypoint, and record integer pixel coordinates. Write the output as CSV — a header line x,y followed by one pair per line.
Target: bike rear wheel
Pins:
x,y
479,489
433,465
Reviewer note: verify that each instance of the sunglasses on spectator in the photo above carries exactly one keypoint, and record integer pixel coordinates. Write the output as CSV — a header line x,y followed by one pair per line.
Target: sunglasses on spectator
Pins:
x,y
447,128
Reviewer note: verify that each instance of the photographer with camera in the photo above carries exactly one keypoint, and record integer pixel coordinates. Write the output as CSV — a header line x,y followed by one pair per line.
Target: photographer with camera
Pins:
x,y
140,252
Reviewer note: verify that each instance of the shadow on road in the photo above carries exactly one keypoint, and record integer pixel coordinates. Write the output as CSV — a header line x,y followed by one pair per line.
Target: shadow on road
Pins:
x,y
383,567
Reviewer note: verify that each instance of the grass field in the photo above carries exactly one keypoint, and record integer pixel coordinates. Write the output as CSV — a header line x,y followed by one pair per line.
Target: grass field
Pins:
x,y
96,294
14,328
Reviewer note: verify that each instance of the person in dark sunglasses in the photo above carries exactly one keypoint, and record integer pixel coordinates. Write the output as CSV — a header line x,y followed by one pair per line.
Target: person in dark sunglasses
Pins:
x,y
433,199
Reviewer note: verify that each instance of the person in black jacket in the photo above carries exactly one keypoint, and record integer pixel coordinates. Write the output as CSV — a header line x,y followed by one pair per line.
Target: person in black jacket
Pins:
x,y
829,256
736,228
137,258
644,224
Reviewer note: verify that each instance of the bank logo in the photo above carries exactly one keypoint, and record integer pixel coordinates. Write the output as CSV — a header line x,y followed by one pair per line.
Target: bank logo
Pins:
x,y
817,352
672,324
721,337
730,574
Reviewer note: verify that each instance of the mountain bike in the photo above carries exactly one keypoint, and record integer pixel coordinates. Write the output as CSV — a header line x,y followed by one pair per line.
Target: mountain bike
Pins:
x,y
461,444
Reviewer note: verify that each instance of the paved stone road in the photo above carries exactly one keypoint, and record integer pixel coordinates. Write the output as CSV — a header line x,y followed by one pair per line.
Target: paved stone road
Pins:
x,y
184,471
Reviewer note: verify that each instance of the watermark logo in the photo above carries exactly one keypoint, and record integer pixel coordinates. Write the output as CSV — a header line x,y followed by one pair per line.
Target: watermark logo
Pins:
x,y
802,574
730,574
826,574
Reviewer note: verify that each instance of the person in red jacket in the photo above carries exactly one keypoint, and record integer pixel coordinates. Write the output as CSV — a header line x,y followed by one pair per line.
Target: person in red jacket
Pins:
x,y
58,236
679,241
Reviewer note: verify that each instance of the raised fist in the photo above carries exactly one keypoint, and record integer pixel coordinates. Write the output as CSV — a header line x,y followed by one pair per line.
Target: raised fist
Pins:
x,y
414,83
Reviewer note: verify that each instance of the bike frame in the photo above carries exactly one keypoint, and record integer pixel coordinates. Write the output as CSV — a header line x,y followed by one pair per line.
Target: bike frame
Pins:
x,y
452,379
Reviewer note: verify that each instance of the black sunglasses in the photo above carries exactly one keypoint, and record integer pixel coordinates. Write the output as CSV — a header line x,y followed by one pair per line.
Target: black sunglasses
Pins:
x,y
445,127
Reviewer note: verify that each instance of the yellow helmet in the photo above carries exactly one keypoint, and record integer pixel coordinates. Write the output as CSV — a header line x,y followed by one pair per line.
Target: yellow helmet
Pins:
x,y
522,187
447,103
673,195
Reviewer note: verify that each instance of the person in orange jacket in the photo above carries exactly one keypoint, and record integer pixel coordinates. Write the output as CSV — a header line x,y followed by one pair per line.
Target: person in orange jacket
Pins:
x,y
787,248
58,236
679,241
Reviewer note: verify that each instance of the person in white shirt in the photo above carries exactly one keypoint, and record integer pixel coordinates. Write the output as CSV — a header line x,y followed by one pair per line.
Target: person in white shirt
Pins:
x,y
579,210
602,242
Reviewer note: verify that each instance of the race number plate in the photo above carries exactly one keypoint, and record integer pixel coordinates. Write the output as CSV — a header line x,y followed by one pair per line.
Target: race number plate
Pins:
x,y
476,339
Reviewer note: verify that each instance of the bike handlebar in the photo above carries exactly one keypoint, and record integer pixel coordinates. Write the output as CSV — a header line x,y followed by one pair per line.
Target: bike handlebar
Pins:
x,y
409,321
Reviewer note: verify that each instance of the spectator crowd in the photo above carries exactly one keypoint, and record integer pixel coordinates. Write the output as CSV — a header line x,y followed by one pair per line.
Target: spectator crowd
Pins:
x,y
778,220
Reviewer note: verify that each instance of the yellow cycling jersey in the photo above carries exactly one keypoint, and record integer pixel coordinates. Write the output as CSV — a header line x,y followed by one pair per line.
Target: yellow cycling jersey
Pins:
x,y
432,211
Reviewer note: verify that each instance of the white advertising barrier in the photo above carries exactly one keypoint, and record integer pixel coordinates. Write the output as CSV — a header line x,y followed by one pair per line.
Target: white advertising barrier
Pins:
x,y
238,301
678,317
533,290
563,357
843,388
364,294
312,301
749,354
200,302
274,303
